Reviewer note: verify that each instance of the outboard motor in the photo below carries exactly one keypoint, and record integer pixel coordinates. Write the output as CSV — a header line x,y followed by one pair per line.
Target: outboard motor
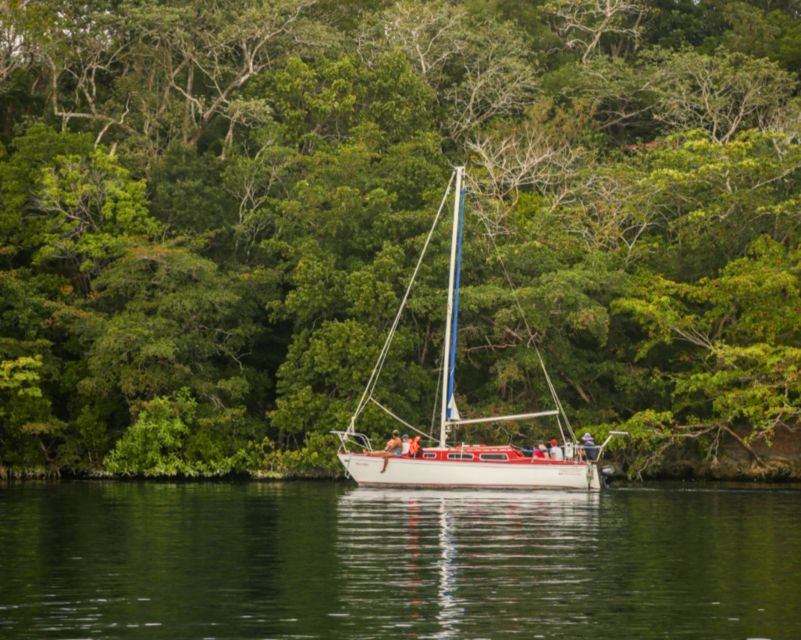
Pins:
x,y
608,474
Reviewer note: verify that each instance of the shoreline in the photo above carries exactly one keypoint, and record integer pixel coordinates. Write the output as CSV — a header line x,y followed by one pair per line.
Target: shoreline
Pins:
x,y
778,462
686,471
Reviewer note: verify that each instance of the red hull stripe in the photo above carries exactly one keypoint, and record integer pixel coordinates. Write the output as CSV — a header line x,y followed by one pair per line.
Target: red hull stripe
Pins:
x,y
475,486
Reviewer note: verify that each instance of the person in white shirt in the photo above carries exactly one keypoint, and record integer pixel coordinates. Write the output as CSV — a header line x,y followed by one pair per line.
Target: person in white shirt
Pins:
x,y
556,451
407,442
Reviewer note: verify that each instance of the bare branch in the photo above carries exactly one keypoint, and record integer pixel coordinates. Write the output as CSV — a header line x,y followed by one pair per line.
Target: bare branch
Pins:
x,y
478,70
584,23
722,95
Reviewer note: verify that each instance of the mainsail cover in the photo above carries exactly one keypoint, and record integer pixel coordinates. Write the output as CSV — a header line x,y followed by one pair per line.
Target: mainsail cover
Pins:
x,y
453,411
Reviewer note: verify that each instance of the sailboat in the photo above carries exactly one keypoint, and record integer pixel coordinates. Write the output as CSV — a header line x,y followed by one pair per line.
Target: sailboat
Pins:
x,y
464,465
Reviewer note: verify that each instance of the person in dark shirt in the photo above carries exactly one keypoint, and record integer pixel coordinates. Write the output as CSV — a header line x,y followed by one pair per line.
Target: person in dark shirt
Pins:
x,y
589,447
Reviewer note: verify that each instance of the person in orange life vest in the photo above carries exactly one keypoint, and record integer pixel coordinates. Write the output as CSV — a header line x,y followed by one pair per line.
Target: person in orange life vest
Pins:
x,y
394,448
414,447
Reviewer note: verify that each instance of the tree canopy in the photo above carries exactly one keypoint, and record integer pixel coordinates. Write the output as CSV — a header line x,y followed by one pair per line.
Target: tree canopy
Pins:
x,y
209,213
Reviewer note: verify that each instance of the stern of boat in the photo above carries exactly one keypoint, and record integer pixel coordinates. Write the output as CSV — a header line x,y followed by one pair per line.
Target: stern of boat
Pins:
x,y
594,479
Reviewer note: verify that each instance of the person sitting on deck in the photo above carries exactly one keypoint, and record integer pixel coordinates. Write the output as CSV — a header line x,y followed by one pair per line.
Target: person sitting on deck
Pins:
x,y
394,448
540,451
406,444
556,451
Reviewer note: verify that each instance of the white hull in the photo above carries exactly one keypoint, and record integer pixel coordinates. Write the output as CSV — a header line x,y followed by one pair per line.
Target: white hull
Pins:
x,y
366,470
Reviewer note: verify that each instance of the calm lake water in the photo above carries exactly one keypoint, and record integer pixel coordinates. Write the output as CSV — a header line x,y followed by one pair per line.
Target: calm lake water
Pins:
x,y
310,560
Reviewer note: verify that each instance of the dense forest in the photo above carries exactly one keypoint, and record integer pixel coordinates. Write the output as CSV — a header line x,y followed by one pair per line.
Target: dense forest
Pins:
x,y
209,212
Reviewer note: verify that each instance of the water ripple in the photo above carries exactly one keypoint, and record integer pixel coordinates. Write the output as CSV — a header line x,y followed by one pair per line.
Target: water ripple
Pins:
x,y
162,561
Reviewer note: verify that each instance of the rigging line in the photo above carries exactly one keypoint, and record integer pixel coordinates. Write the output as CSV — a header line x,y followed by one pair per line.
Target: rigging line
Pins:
x,y
399,419
531,341
371,383
555,396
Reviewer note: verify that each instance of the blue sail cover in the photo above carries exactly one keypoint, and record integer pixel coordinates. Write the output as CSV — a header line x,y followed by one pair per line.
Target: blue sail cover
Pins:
x,y
454,326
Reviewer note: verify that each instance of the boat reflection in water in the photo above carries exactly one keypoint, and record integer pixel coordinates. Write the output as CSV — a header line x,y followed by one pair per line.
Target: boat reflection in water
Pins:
x,y
445,563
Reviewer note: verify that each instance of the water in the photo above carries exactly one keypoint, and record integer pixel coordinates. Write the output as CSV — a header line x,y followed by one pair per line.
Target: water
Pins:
x,y
298,560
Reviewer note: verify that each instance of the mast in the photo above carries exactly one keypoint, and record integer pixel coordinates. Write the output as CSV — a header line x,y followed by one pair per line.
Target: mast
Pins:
x,y
449,320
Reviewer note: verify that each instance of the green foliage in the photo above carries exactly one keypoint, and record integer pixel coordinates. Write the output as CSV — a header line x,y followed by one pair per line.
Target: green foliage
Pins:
x,y
90,205
152,446
737,337
20,378
32,155
320,104
160,443
27,425
186,191
316,459
209,213
177,322
325,371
